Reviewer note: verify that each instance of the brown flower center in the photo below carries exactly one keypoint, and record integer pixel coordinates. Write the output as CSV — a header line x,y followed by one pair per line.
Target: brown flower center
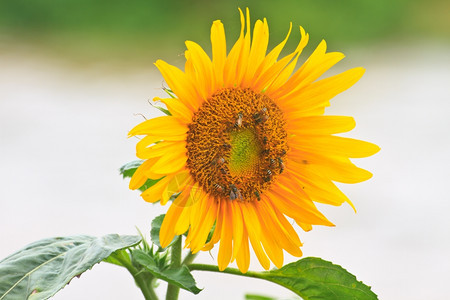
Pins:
x,y
236,144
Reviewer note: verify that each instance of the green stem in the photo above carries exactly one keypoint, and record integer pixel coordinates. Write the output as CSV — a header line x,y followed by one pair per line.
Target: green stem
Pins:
x,y
139,277
189,258
175,259
210,268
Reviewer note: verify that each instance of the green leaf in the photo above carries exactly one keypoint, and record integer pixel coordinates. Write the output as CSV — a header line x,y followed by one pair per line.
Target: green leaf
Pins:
x,y
156,227
44,267
257,297
128,170
180,277
314,279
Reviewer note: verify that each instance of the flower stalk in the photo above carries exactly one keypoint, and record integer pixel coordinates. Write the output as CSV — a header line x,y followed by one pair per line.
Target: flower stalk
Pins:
x,y
139,277
173,290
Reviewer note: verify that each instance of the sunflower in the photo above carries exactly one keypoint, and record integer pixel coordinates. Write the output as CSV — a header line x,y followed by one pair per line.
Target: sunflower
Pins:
x,y
246,147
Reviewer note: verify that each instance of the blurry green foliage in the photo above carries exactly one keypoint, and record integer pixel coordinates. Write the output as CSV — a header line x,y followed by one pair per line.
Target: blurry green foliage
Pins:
x,y
143,27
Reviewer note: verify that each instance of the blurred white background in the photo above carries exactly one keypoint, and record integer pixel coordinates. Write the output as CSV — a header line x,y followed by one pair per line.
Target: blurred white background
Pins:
x,y
63,138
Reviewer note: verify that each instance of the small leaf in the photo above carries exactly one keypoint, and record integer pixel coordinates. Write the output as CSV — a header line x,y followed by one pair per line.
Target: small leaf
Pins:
x,y
128,170
44,267
314,278
180,277
156,227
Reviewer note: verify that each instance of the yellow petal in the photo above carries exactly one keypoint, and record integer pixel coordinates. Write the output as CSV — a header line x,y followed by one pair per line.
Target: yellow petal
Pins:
x,y
225,251
176,184
171,162
266,78
166,234
272,57
238,228
208,218
243,257
297,207
203,66
219,51
277,231
284,75
317,187
177,109
153,193
319,93
257,51
256,245
139,176
180,84
158,150
334,145
160,127
320,125
269,241
231,64
318,63
336,168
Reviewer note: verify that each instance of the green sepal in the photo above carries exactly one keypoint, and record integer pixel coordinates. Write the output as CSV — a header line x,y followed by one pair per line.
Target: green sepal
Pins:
x,y
180,276
42,268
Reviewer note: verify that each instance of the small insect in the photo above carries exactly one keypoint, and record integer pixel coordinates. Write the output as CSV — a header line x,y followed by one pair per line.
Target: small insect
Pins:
x,y
269,175
217,187
238,122
257,195
271,162
235,193
261,116
283,152
280,162
265,140
220,161
223,171
226,146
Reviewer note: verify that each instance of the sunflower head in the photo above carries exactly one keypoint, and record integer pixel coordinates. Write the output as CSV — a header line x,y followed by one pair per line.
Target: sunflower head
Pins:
x,y
247,146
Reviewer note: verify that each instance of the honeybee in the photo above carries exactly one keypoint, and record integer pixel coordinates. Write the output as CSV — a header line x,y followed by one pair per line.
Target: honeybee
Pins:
x,y
261,116
226,146
280,162
257,195
217,187
269,175
218,161
238,122
271,162
235,193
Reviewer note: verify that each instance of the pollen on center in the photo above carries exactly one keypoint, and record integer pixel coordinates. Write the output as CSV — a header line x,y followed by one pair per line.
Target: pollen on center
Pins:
x,y
236,144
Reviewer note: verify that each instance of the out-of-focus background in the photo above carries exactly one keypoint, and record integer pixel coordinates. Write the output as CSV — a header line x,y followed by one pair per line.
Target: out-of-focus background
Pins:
x,y
76,74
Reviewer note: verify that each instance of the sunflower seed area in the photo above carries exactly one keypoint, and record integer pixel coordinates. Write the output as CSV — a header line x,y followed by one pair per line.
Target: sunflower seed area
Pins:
x,y
236,144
